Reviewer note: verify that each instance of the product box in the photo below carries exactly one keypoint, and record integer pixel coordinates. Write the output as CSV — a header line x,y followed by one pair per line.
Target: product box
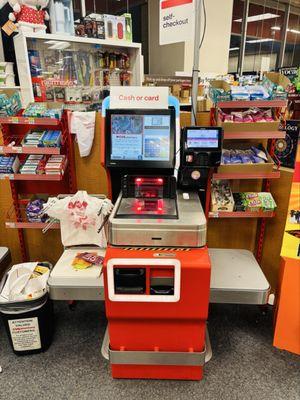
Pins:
x,y
121,31
248,126
110,23
266,167
219,90
6,67
9,164
128,27
7,79
73,95
176,90
10,102
100,27
272,80
204,105
278,79
221,197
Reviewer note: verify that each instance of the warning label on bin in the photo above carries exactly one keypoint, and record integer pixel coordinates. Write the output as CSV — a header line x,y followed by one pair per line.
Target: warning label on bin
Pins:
x,y
25,334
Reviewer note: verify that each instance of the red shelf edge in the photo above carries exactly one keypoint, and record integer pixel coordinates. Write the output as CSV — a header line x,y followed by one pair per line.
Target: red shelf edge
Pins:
x,y
271,175
255,135
252,103
241,214
31,177
29,150
29,120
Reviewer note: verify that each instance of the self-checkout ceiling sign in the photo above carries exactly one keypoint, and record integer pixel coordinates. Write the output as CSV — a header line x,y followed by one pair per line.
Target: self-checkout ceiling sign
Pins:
x,y
176,20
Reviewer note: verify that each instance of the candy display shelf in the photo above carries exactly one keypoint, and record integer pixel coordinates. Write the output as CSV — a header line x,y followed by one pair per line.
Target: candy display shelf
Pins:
x,y
13,130
255,132
242,214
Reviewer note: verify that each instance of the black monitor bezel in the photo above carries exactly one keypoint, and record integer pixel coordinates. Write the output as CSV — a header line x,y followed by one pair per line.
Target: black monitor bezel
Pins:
x,y
139,163
202,128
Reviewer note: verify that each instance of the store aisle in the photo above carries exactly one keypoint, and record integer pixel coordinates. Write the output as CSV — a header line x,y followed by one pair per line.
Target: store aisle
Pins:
x,y
244,364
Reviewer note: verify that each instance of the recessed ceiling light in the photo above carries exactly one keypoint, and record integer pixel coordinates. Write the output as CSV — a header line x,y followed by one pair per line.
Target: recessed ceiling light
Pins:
x,y
259,17
234,48
259,40
277,28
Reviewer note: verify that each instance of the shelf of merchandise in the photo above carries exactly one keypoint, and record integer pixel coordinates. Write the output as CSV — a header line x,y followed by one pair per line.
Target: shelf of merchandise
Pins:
x,y
30,225
242,214
266,175
39,42
254,135
14,129
252,103
279,107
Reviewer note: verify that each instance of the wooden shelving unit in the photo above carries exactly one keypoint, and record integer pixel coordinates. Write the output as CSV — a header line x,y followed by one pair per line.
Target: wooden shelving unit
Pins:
x,y
270,136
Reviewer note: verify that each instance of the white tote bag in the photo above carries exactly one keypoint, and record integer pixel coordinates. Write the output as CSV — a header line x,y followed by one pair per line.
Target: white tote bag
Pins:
x,y
81,218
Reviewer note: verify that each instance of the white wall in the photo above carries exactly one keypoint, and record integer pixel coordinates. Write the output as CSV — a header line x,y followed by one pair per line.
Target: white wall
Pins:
x,y
214,53
167,59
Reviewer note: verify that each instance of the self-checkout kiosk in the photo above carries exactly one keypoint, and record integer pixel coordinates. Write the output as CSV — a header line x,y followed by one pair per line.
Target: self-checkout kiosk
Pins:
x,y
158,275
157,267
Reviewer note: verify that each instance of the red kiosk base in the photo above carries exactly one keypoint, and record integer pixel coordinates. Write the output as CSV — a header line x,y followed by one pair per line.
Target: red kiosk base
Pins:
x,y
157,306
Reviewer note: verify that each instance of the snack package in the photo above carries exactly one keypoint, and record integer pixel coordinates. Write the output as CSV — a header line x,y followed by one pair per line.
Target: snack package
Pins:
x,y
247,116
252,201
239,202
237,116
34,211
86,260
257,115
221,197
259,153
268,116
245,157
267,201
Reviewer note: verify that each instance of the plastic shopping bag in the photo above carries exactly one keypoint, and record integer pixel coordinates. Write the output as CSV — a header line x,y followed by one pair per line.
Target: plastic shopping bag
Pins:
x,y
83,125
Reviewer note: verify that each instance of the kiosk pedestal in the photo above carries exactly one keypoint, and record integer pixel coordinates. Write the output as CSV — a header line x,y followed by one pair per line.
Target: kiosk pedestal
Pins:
x,y
157,306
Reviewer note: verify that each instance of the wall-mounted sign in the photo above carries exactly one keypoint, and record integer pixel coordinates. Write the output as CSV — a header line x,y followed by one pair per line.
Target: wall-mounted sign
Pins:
x,y
139,97
165,80
176,21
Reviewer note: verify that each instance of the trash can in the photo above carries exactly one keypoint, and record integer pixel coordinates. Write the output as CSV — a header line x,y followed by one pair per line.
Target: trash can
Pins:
x,y
29,323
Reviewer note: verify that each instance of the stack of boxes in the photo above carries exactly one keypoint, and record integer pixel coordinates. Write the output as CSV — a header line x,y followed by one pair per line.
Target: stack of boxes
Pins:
x,y
55,165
